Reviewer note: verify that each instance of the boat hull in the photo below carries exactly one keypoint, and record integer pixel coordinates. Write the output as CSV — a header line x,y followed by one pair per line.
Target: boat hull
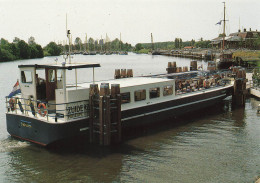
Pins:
x,y
44,133
173,108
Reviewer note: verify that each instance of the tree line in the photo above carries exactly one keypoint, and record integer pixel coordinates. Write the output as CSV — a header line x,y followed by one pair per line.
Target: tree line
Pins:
x,y
100,45
176,44
19,49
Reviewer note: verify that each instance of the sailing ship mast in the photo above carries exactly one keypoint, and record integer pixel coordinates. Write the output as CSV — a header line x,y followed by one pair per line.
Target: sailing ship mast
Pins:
x,y
152,41
224,27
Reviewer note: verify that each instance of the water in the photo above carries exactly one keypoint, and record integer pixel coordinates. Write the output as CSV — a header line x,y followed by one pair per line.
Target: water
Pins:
x,y
221,144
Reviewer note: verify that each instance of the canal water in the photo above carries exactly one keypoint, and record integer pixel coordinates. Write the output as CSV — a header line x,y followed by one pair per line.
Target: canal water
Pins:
x,y
220,144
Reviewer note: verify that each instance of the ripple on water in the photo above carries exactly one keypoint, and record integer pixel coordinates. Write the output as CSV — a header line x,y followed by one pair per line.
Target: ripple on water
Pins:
x,y
10,144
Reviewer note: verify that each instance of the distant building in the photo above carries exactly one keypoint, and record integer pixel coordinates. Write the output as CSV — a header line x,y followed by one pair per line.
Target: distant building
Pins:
x,y
238,39
189,47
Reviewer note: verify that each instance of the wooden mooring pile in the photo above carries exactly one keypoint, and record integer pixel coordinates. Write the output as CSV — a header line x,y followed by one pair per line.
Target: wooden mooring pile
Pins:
x,y
105,114
123,73
240,91
172,68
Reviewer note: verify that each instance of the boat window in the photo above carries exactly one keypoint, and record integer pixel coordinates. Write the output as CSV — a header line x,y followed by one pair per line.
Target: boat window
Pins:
x,y
167,90
26,76
51,73
125,98
154,92
140,95
59,75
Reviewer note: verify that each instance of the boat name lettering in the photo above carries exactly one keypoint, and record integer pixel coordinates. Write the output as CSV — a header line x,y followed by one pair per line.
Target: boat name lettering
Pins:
x,y
26,124
77,110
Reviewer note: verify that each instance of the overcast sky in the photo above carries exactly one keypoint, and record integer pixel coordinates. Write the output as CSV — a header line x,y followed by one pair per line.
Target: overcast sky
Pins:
x,y
135,19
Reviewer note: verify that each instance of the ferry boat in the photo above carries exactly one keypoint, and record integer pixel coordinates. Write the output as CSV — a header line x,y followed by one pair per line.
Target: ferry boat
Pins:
x,y
49,110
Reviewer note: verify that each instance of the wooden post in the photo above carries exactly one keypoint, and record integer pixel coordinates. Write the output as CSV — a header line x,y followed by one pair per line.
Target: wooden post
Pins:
x,y
129,73
101,120
239,92
107,121
118,118
193,65
117,74
93,94
115,89
104,89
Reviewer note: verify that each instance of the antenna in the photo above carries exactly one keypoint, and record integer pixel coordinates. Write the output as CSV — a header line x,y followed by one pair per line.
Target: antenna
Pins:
x,y
69,37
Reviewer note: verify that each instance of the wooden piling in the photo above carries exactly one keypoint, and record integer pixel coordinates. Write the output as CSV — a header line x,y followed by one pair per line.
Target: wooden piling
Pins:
x,y
107,121
101,120
193,65
123,73
115,89
117,74
93,95
239,92
118,118
129,73
104,89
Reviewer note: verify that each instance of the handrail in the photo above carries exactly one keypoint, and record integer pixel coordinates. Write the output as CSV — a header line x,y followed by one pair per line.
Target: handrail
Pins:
x,y
26,107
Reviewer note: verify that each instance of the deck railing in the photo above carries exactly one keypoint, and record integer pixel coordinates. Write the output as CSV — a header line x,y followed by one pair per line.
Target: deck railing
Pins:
x,y
50,112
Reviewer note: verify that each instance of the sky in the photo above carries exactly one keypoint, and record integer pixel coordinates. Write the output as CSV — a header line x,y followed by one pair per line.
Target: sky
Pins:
x,y
45,20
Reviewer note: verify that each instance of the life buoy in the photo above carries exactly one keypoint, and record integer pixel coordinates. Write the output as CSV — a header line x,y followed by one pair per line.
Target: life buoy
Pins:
x,y
42,109
12,104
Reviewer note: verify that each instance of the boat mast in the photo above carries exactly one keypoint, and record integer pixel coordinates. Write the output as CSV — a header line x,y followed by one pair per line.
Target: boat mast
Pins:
x,y
120,42
68,35
224,27
152,41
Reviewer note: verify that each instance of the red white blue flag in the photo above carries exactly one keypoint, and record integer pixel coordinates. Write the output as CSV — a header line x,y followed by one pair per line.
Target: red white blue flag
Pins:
x,y
16,90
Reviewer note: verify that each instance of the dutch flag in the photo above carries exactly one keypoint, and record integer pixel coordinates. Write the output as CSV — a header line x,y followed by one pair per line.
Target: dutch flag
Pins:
x,y
16,90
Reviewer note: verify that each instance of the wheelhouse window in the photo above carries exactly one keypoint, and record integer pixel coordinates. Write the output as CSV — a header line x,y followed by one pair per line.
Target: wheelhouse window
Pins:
x,y
26,76
154,92
51,73
140,95
167,90
125,98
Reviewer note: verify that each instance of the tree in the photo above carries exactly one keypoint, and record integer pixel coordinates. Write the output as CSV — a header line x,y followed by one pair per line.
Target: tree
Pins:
x,y
78,43
53,49
138,47
16,40
6,55
91,43
31,41
15,50
34,51
25,51
3,42
40,51
192,42
180,45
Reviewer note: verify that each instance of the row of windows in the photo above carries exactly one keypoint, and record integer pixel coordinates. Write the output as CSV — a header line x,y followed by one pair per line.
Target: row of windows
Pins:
x,y
141,94
26,76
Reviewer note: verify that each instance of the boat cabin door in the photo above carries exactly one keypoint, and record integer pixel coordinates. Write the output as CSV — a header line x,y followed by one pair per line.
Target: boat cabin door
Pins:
x,y
51,83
